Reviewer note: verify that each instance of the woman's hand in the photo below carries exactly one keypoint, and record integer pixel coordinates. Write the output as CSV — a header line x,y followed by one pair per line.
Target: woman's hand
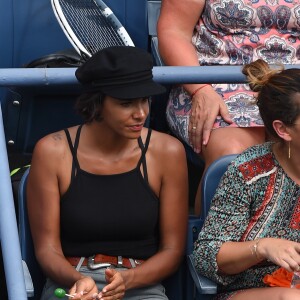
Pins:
x,y
206,106
115,290
283,253
84,289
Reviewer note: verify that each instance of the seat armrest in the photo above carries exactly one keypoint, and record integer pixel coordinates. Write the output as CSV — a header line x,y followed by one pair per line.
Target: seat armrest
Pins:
x,y
28,280
155,52
194,226
153,15
203,284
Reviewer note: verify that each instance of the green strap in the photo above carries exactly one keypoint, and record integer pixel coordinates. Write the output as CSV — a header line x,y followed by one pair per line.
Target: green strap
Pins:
x,y
13,172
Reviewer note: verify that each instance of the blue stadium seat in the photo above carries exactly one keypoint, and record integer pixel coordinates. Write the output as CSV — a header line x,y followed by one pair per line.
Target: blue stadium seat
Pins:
x,y
205,288
153,15
30,30
27,250
133,16
31,113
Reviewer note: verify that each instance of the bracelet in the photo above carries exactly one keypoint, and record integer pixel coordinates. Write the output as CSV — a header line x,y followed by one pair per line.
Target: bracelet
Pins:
x,y
253,249
198,89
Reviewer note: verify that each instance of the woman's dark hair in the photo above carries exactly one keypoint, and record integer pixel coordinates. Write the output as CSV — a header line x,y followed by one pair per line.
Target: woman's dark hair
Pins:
x,y
277,89
89,106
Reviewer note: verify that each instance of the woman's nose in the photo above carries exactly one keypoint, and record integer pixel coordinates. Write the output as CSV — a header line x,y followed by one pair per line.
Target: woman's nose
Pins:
x,y
140,111
139,114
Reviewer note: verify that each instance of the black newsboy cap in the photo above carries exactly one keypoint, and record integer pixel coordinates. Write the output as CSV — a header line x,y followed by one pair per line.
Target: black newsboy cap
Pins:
x,y
122,72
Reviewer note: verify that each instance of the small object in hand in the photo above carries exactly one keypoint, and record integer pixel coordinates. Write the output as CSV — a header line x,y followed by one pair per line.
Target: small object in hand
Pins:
x,y
280,277
194,127
60,293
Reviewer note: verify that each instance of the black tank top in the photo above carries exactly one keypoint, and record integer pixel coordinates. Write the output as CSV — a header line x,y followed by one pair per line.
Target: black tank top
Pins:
x,y
109,214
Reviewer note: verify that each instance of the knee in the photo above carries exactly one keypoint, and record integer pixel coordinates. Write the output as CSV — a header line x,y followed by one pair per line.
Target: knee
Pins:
x,y
289,294
231,141
225,146
230,145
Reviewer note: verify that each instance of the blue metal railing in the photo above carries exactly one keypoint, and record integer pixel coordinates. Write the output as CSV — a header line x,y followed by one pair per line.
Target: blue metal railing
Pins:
x,y
64,77
8,228
164,75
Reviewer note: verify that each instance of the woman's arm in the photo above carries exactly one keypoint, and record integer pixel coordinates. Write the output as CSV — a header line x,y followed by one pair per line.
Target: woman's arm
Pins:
x,y
167,165
175,28
236,257
49,162
219,251
224,226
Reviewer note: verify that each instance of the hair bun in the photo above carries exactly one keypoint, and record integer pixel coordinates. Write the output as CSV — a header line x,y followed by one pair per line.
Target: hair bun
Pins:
x,y
258,74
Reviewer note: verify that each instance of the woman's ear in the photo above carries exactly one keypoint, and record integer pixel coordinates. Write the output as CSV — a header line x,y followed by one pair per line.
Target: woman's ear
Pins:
x,y
282,130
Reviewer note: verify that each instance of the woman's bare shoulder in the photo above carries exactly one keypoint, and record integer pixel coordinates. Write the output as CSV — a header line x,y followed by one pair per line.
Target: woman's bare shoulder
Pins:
x,y
51,146
168,159
166,144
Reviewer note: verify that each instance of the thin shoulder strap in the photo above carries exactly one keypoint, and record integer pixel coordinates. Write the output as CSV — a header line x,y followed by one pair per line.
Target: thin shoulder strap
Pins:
x,y
75,163
144,149
77,141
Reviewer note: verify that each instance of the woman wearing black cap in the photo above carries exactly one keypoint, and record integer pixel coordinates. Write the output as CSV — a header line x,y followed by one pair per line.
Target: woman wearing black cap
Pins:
x,y
107,200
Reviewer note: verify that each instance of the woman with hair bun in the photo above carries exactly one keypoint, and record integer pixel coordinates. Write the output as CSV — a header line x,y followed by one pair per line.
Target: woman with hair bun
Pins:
x,y
251,233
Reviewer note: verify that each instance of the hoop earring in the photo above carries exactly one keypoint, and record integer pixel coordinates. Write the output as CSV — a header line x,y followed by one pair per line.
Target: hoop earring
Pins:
x,y
289,150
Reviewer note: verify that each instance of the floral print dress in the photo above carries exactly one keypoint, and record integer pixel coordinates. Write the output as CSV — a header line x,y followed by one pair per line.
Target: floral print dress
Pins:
x,y
255,199
236,32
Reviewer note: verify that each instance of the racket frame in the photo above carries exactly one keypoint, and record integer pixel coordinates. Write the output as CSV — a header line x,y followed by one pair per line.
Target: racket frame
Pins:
x,y
104,10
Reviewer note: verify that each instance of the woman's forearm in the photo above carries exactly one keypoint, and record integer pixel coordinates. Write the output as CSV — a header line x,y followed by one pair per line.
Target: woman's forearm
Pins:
x,y
236,257
154,270
58,269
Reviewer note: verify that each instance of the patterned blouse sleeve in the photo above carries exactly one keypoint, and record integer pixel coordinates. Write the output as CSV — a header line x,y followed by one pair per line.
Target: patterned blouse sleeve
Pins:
x,y
226,221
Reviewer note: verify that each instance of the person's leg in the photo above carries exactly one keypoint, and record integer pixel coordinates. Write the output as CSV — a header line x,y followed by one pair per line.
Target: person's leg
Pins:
x,y
49,291
224,141
153,292
274,293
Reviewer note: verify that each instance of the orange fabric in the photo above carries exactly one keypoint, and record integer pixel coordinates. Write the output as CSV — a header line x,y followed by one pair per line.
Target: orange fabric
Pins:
x,y
281,277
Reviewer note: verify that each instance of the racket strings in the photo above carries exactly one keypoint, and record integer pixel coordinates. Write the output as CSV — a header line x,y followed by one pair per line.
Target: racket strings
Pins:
x,y
90,25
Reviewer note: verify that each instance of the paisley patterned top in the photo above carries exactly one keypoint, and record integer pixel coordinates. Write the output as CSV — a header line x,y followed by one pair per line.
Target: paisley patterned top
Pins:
x,y
255,199
236,32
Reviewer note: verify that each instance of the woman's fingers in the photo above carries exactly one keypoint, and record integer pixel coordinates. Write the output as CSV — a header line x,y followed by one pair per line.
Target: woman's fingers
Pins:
x,y
289,264
197,118
282,252
205,109
209,123
292,258
85,288
224,113
116,287
111,296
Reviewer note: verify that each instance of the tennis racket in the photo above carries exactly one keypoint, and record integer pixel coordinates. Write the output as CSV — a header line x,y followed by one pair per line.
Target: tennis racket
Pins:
x,y
90,25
